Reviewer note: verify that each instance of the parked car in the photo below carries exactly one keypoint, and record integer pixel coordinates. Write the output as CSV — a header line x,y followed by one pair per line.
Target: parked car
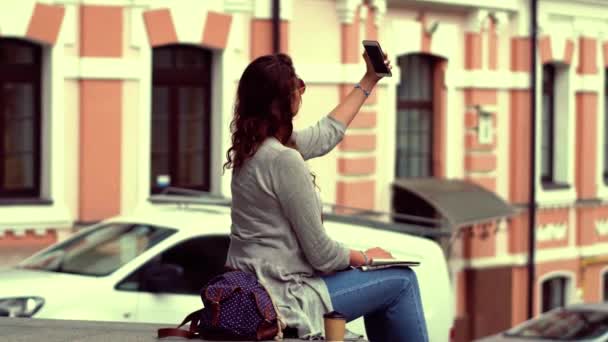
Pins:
x,y
151,265
580,322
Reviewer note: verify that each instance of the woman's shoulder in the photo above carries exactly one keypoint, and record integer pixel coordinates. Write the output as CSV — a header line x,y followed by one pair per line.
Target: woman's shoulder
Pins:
x,y
272,151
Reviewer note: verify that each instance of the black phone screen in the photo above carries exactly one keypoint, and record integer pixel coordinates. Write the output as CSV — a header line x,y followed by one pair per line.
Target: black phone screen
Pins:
x,y
377,59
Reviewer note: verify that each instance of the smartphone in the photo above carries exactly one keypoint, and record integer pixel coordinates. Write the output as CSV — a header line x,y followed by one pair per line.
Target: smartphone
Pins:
x,y
376,56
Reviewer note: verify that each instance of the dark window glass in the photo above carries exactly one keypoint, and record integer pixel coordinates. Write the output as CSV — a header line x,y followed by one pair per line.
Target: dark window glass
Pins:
x,y
606,126
19,119
181,118
415,117
564,325
182,269
554,293
548,125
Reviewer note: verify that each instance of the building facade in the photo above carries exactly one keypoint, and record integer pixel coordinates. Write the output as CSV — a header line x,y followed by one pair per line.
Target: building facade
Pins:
x,y
103,102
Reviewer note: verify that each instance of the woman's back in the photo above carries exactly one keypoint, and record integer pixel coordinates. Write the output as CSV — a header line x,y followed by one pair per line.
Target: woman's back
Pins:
x,y
259,229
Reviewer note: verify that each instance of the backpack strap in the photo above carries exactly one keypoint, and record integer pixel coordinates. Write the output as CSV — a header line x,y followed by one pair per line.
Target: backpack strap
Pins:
x,y
191,333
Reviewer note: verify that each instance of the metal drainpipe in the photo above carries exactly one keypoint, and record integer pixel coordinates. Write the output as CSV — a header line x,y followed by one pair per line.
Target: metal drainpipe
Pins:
x,y
532,190
276,26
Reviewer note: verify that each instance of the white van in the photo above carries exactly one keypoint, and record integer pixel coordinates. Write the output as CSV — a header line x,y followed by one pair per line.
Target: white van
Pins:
x,y
98,275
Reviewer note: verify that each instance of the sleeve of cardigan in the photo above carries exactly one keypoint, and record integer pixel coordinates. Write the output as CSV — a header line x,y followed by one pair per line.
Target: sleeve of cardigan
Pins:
x,y
320,138
293,186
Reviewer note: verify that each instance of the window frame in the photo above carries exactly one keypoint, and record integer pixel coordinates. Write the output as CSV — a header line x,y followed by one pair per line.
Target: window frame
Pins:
x,y
565,282
174,78
548,88
30,74
428,104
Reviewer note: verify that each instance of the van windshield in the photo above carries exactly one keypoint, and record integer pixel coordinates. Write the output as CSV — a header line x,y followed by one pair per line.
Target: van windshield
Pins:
x,y
564,325
99,251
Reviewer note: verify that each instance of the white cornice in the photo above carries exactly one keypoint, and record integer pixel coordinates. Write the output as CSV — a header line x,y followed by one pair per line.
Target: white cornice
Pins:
x,y
477,21
505,5
236,6
345,9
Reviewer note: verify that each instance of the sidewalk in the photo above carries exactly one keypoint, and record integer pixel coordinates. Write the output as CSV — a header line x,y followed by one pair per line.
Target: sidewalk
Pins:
x,y
42,330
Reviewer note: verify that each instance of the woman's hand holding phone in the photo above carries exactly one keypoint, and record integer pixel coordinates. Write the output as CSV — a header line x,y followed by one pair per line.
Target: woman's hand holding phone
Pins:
x,y
370,72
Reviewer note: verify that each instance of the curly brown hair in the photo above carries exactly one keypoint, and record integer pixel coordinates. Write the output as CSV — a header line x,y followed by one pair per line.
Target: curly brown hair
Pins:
x,y
263,107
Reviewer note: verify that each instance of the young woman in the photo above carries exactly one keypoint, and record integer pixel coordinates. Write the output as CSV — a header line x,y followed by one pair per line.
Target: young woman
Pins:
x,y
277,231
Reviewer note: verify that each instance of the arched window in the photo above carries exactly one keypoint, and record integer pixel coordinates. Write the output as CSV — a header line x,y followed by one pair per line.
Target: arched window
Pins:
x,y
554,292
181,107
20,131
415,116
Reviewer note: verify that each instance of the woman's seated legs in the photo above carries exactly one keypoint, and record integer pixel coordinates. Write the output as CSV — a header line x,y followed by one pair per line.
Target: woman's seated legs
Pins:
x,y
389,300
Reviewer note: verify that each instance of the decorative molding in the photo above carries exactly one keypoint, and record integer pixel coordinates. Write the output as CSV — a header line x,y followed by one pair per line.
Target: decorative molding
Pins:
x,y
551,232
477,21
487,79
601,227
346,10
238,6
262,9
502,20
380,10
101,68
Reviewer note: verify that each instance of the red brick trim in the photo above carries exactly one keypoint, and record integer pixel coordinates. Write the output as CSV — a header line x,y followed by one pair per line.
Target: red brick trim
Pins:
x,y
101,31
261,37
519,146
350,194
8,238
358,142
544,45
364,120
45,23
480,162
100,149
160,27
569,51
493,46
425,38
473,48
357,166
217,29
587,63
474,96
520,54
586,144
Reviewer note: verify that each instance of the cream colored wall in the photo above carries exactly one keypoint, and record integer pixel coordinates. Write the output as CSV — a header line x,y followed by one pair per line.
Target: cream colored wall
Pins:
x,y
385,142
131,110
72,138
314,33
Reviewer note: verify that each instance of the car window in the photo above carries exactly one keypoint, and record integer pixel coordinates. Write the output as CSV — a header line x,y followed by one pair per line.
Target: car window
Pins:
x,y
182,269
564,325
99,251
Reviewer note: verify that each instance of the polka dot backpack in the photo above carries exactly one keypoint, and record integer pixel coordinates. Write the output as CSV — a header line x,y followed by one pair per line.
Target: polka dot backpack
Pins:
x,y
236,308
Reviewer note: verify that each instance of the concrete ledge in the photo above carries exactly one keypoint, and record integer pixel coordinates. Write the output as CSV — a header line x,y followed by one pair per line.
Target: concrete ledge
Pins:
x,y
43,330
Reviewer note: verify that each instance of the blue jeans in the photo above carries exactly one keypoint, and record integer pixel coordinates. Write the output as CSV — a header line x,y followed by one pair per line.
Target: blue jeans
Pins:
x,y
388,299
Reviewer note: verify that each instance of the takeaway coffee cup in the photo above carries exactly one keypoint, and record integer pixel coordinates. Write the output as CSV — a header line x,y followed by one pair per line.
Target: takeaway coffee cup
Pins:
x,y
335,326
